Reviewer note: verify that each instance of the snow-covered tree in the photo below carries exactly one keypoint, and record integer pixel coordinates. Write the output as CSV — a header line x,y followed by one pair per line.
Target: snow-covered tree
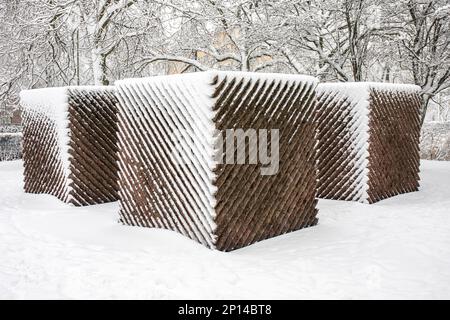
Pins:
x,y
69,42
425,41
206,34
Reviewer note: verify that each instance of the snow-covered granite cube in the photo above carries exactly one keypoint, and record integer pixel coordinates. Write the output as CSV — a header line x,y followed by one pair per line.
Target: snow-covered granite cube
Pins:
x,y
368,147
70,143
174,175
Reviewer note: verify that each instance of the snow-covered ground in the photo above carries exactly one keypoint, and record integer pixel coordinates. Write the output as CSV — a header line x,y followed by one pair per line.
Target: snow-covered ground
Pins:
x,y
397,248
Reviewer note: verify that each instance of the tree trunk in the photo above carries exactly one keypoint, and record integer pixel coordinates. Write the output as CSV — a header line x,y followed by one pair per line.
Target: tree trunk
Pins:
x,y
99,68
423,110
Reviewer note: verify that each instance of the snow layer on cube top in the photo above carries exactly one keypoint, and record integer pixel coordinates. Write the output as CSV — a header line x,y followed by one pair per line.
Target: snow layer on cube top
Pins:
x,y
200,80
360,90
399,87
46,99
93,88
263,76
208,76
54,99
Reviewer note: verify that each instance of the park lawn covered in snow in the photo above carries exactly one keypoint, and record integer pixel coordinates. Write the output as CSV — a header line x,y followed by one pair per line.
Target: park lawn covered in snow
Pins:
x,y
397,248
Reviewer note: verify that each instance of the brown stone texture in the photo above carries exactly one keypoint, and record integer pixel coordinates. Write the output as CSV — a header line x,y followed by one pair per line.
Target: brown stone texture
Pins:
x,y
222,206
394,144
70,144
368,141
16,118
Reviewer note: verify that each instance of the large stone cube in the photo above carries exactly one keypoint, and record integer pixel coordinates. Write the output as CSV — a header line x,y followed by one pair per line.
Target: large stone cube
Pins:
x,y
222,204
70,143
368,147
